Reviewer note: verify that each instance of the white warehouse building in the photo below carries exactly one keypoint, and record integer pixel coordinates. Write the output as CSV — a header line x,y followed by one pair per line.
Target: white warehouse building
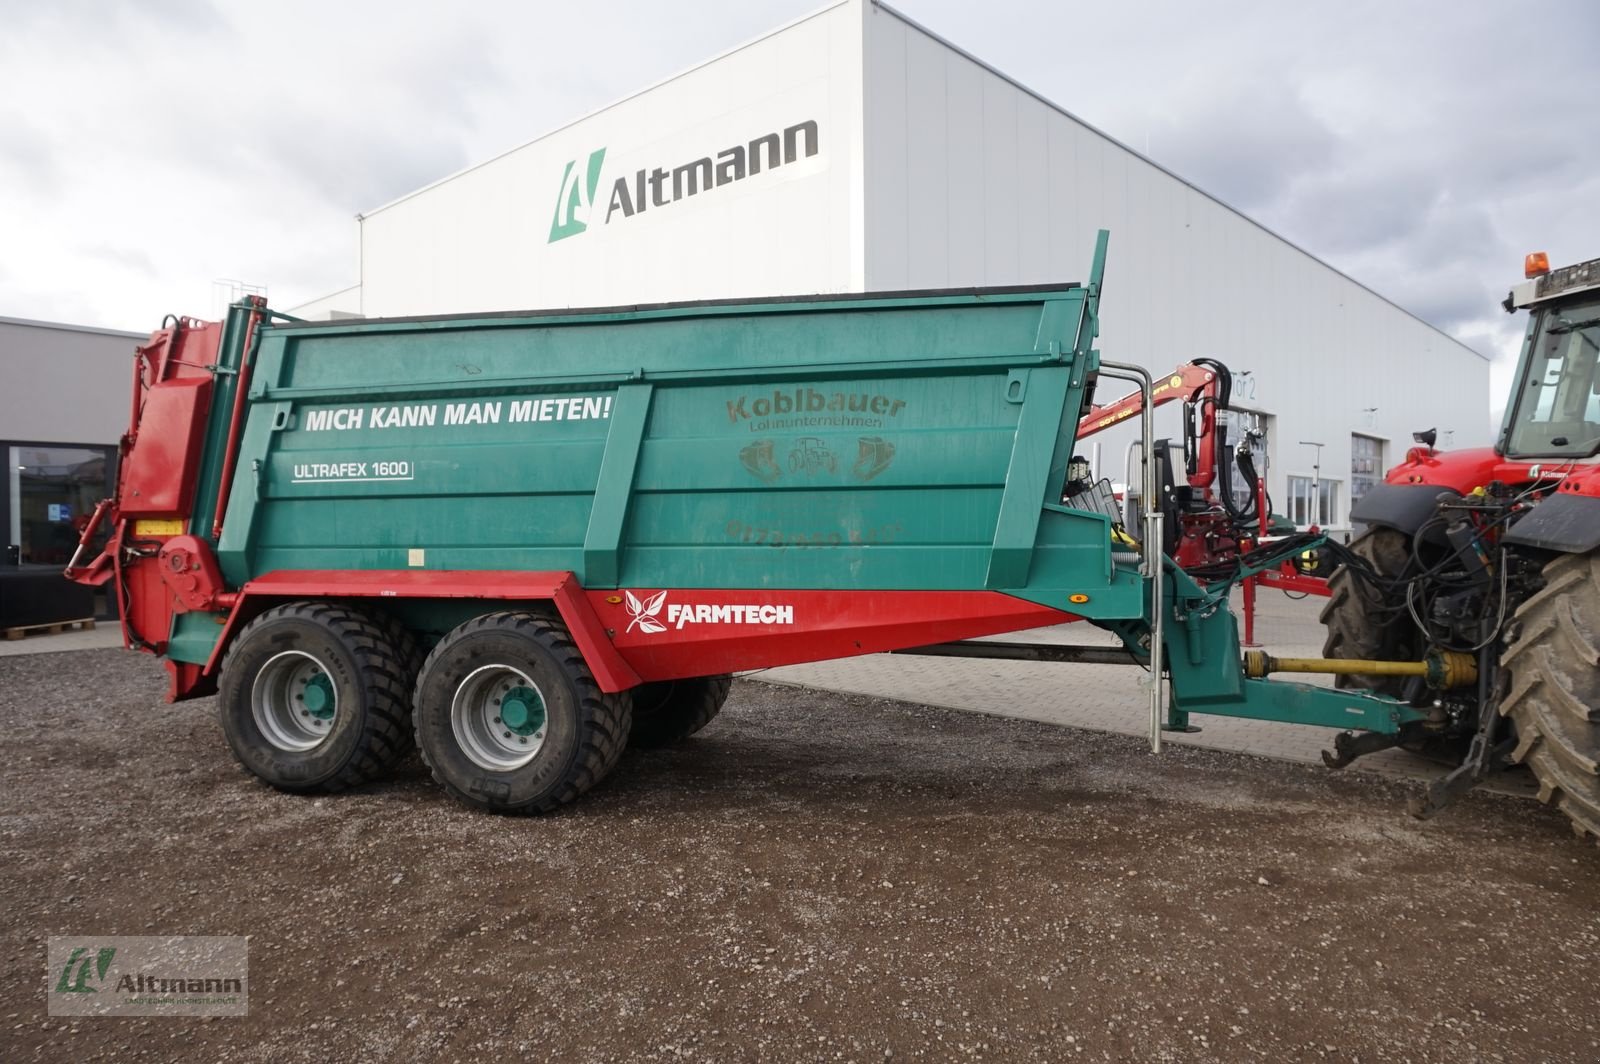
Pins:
x,y
852,150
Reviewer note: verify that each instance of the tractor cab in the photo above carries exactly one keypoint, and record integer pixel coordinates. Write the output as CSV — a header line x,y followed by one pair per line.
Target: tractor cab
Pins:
x,y
1555,406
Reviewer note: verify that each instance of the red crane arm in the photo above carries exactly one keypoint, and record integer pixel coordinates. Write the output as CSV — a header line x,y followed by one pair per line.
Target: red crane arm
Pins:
x,y
1185,382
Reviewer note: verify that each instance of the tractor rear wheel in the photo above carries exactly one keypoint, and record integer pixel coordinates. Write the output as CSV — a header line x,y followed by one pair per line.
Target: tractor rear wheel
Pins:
x,y
672,710
1359,622
1553,695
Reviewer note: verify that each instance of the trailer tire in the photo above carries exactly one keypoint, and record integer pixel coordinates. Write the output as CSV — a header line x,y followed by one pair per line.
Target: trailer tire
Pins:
x,y
408,655
670,711
1553,689
408,652
565,735
1356,628
351,730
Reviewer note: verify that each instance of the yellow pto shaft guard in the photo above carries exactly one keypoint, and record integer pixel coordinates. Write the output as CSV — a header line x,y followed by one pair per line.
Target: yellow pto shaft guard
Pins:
x,y
1442,669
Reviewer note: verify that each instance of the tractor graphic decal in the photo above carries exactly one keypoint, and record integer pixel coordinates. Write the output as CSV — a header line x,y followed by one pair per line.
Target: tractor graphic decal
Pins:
x,y
811,457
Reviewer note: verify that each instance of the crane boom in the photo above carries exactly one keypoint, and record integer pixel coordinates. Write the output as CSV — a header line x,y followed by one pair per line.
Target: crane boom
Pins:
x,y
1187,382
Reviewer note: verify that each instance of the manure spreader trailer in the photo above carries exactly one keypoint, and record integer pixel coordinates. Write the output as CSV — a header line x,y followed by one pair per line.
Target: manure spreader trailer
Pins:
x,y
521,540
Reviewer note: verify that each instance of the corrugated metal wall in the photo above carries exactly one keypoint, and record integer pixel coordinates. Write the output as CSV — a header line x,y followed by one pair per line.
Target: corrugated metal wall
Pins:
x,y
971,180
67,384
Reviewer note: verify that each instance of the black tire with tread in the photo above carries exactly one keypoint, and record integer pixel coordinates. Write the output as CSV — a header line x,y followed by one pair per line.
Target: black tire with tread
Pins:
x,y
406,647
373,680
587,738
1553,689
409,655
1355,627
670,711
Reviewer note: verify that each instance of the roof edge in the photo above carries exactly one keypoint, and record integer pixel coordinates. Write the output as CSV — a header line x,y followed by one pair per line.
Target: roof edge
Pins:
x,y
62,326
328,295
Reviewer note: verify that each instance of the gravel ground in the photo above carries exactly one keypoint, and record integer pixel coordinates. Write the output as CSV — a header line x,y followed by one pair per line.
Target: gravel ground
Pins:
x,y
814,877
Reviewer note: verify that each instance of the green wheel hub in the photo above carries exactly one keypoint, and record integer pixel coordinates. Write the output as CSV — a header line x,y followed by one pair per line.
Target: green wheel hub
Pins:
x,y
498,717
317,696
293,701
522,710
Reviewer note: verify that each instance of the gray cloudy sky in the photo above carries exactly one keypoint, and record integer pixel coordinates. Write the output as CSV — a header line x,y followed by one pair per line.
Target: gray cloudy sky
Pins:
x,y
150,147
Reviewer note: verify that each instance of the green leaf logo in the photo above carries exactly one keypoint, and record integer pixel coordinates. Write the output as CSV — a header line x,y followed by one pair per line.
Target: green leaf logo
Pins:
x,y
80,968
576,198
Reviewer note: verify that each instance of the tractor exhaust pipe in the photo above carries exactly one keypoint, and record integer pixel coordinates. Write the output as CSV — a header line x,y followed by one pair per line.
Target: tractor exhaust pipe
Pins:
x,y
1442,669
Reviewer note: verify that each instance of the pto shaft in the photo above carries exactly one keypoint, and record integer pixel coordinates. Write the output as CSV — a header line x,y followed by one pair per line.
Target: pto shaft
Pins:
x,y
1441,669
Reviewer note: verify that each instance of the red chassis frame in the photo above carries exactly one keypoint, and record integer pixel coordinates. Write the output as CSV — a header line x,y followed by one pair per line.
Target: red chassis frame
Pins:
x,y
620,632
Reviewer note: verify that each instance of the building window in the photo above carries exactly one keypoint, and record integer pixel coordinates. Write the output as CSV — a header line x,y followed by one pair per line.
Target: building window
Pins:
x,y
1313,501
53,490
1245,425
1366,465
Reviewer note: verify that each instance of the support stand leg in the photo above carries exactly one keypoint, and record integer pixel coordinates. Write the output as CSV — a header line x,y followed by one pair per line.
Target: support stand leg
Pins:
x,y
1177,720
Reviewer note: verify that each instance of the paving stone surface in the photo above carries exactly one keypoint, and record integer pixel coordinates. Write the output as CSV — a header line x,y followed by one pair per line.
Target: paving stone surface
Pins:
x,y
1105,698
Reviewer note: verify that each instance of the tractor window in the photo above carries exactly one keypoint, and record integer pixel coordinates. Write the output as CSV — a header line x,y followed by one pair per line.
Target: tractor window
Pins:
x,y
1558,405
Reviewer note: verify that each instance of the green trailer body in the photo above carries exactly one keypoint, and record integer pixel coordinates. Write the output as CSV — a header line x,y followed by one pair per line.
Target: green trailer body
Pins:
x,y
893,444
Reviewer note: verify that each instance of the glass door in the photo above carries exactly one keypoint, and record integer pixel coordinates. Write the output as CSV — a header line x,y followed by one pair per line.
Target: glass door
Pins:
x,y
53,491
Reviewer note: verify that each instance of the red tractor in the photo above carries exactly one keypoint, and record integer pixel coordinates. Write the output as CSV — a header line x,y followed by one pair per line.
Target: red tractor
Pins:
x,y
1493,552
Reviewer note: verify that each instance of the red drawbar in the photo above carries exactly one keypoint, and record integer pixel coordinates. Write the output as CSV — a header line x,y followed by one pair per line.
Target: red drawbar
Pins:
x,y
1287,578
667,634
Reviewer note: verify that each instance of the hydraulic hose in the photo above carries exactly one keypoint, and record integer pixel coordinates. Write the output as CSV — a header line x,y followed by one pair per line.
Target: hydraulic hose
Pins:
x,y
1248,513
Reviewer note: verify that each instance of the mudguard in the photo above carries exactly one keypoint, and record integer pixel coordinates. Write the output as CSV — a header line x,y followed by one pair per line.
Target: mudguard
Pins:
x,y
1399,506
1564,522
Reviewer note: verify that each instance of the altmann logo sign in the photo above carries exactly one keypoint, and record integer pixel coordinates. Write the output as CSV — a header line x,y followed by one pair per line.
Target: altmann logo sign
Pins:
x,y
148,975
661,186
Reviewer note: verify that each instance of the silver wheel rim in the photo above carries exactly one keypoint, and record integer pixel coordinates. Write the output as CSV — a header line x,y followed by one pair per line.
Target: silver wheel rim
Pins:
x,y
499,718
294,701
